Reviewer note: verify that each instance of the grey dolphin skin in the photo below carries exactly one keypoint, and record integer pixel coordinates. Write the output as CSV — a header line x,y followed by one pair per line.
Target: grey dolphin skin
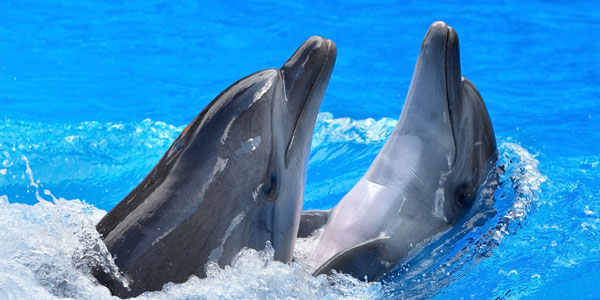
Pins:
x,y
234,178
425,178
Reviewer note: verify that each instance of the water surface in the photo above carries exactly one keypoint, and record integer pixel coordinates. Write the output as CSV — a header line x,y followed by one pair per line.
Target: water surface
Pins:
x,y
93,93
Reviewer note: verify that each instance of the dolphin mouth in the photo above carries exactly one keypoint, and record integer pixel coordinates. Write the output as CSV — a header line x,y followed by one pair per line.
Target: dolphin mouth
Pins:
x,y
306,75
451,87
432,105
452,77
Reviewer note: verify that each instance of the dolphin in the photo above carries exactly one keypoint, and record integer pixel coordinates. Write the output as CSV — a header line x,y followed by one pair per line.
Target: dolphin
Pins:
x,y
234,178
424,179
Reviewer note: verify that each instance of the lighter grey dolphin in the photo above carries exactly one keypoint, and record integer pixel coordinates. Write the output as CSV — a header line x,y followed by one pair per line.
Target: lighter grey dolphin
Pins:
x,y
424,179
234,178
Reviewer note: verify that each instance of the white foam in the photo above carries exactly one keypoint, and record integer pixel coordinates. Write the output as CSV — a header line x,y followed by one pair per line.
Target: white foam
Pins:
x,y
335,130
47,248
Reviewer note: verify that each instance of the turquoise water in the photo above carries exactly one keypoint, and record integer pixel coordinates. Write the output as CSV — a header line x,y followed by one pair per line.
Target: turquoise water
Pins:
x,y
93,93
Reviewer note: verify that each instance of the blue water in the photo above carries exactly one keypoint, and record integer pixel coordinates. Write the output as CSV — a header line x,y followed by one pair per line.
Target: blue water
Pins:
x,y
93,93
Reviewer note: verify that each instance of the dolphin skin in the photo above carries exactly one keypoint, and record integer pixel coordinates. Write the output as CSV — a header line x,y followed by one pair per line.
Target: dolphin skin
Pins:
x,y
234,178
425,178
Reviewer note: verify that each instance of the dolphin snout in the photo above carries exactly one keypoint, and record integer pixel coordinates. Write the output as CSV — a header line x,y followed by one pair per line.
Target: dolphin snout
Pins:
x,y
438,33
302,70
306,76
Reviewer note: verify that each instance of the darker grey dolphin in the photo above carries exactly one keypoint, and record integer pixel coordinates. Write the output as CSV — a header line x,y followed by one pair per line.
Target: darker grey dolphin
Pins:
x,y
425,178
234,178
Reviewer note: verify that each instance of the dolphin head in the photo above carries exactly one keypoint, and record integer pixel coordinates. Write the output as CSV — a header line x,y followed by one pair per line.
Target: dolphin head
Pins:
x,y
295,96
434,91
425,177
304,78
250,151
445,122
234,178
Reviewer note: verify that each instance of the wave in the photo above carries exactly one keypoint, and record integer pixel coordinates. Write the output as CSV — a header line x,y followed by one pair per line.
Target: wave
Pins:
x,y
49,244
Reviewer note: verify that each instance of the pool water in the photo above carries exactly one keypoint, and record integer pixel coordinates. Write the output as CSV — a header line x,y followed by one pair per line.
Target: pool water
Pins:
x,y
93,93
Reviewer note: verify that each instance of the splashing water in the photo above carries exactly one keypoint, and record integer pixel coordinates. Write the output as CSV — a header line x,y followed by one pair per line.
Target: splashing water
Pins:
x,y
52,246
502,203
49,244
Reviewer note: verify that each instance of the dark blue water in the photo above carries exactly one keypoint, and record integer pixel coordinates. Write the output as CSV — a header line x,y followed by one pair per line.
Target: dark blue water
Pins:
x,y
92,94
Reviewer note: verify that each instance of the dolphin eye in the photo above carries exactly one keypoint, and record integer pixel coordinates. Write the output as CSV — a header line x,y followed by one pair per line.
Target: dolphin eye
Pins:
x,y
272,188
463,198
460,199
179,144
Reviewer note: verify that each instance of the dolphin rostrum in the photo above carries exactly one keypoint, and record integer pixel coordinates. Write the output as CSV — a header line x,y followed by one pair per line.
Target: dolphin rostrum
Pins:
x,y
234,178
425,178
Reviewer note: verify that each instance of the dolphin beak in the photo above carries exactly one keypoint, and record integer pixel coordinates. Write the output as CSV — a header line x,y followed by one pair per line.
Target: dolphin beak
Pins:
x,y
441,43
434,92
304,68
440,46
305,77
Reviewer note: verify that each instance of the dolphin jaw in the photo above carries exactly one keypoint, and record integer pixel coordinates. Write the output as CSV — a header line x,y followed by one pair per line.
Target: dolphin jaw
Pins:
x,y
292,70
431,100
452,96
452,75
